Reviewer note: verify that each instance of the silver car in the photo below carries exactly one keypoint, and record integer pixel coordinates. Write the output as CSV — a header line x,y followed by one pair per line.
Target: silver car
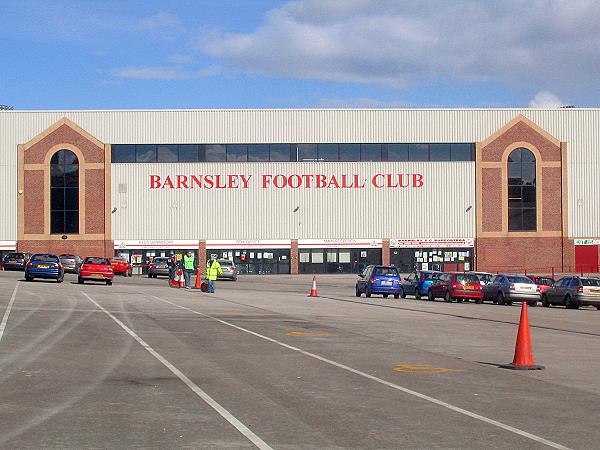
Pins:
x,y
484,277
230,271
505,289
71,263
573,292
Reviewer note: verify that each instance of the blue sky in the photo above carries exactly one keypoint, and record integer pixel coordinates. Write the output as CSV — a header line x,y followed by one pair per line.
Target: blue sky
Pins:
x,y
67,54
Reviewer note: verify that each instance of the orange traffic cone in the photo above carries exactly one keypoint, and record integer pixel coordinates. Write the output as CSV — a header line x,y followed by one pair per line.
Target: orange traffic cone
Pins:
x,y
523,357
198,284
313,291
180,278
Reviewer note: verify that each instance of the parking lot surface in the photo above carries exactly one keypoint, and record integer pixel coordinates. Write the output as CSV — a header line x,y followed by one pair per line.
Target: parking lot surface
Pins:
x,y
260,364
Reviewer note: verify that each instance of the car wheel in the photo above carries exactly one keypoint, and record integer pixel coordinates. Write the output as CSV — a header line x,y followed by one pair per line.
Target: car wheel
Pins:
x,y
403,294
28,278
532,304
570,304
234,278
448,298
545,302
109,282
385,295
396,295
367,292
430,296
149,276
479,301
508,302
500,298
417,294
358,293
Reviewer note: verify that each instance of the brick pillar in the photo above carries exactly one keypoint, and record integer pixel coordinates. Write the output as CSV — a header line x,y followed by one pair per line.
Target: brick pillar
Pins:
x,y
109,249
294,257
385,252
202,257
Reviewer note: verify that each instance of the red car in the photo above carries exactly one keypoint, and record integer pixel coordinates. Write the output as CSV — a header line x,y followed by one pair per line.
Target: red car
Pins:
x,y
121,267
543,283
456,286
96,268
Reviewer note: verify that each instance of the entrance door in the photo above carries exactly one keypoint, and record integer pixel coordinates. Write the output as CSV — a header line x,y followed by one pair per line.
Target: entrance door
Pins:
x,y
586,258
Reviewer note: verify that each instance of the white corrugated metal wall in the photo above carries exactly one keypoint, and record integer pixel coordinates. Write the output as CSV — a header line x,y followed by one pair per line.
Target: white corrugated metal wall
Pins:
x,y
438,209
579,127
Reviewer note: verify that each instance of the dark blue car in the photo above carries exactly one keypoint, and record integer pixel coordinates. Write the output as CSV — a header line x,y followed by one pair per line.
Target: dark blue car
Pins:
x,y
382,280
44,265
418,282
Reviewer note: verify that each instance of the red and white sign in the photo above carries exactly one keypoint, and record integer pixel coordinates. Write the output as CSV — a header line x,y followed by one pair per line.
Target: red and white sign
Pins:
x,y
8,245
285,181
432,243
339,243
157,244
247,243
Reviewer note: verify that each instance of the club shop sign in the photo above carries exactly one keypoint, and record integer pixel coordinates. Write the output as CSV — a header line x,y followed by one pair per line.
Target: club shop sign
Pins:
x,y
285,181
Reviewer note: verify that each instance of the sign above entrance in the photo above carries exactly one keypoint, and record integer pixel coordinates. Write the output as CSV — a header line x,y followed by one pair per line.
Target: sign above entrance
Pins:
x,y
432,243
156,244
339,243
587,241
248,243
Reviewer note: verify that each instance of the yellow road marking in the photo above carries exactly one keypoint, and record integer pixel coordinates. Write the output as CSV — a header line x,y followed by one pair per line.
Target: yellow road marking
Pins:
x,y
308,333
424,368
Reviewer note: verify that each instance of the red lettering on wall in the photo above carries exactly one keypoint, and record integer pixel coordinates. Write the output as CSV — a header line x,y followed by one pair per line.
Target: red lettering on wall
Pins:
x,y
154,181
374,180
245,180
197,181
417,180
266,179
321,182
182,181
168,183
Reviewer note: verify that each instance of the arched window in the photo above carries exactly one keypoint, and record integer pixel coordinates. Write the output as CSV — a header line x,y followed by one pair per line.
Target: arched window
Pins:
x,y
64,193
521,191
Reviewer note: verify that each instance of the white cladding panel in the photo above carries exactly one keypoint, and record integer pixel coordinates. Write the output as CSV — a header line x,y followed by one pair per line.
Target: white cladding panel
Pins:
x,y
438,209
580,128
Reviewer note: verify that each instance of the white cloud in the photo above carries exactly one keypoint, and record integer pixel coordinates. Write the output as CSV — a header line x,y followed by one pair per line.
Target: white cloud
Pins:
x,y
162,73
545,100
401,42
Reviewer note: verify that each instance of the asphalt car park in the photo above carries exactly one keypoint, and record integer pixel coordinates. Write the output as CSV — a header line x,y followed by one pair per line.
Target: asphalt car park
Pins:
x,y
260,364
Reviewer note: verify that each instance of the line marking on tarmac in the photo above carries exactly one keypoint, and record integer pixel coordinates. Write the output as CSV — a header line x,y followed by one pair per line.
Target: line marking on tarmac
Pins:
x,y
7,312
189,383
398,387
424,368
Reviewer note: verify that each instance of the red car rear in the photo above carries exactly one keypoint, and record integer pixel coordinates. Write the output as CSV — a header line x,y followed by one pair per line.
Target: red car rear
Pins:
x,y
121,266
456,286
543,283
96,268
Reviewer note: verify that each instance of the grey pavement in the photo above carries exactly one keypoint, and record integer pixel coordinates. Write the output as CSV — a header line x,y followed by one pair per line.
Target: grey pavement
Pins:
x,y
259,362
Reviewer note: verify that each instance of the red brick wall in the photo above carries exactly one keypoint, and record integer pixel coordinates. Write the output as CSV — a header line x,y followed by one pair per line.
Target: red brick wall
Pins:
x,y
294,268
33,197
64,135
81,248
385,252
94,201
520,132
491,207
551,199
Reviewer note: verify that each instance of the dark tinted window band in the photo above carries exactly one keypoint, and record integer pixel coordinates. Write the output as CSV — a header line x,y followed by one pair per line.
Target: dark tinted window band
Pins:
x,y
326,152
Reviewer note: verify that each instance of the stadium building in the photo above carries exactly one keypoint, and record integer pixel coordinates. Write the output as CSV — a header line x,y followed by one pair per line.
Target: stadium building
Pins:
x,y
308,191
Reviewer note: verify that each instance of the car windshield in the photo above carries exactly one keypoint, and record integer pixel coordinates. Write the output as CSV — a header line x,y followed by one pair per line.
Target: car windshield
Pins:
x,y
522,280
15,256
590,281
429,275
466,278
386,271
118,260
44,258
98,261
160,260
544,281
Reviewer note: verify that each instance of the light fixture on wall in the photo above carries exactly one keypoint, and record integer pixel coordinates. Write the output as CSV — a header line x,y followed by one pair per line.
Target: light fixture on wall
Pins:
x,y
114,210
469,208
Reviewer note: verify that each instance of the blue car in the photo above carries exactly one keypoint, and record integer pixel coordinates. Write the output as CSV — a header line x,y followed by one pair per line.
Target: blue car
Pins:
x,y
44,265
418,282
382,280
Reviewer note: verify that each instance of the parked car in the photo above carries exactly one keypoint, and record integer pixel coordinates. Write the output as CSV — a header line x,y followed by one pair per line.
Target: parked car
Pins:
x,y
97,269
484,277
159,266
229,269
505,289
573,292
418,282
71,263
15,261
543,283
121,266
44,265
382,280
456,286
